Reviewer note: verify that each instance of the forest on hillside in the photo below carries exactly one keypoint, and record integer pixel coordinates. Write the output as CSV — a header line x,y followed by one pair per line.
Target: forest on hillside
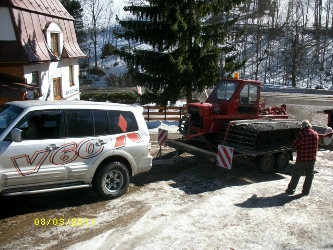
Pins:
x,y
284,42
288,42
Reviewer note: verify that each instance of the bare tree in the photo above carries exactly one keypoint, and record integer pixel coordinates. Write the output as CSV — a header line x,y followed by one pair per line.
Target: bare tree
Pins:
x,y
96,19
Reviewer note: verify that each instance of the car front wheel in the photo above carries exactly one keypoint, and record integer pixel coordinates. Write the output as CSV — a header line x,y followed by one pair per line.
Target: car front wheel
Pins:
x,y
112,180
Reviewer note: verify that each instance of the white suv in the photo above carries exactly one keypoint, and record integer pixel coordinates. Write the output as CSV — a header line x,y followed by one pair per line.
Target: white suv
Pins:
x,y
57,145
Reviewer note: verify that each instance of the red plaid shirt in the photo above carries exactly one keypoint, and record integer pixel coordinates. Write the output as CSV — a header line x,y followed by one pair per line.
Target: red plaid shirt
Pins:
x,y
306,145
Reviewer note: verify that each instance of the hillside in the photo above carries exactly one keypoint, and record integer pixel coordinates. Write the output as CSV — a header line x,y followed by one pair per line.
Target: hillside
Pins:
x,y
282,44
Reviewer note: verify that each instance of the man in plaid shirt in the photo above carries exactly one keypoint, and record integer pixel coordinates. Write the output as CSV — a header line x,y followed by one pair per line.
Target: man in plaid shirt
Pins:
x,y
306,145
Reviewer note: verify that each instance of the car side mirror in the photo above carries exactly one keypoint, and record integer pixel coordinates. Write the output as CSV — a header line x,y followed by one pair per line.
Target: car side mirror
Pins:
x,y
16,135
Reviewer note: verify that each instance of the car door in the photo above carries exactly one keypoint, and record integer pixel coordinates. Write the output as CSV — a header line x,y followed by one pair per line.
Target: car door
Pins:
x,y
33,161
87,139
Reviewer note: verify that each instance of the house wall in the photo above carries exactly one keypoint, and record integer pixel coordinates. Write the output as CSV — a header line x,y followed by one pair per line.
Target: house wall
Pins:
x,y
47,72
70,92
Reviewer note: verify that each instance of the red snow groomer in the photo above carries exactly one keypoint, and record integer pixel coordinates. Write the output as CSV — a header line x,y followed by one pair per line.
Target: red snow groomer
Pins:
x,y
235,115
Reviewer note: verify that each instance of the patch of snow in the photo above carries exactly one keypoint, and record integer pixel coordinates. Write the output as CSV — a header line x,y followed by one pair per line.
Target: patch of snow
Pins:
x,y
154,126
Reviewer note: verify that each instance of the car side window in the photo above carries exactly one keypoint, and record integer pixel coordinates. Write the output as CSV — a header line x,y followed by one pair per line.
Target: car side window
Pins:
x,y
41,125
79,123
122,121
100,121
51,124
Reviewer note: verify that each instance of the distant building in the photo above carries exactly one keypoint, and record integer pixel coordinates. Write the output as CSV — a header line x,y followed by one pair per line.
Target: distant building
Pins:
x,y
38,51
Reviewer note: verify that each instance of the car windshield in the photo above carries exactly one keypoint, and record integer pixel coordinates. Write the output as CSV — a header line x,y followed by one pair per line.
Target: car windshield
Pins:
x,y
8,114
224,90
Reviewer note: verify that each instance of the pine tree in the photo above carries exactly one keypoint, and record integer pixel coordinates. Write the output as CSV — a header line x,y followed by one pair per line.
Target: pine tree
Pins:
x,y
184,48
75,9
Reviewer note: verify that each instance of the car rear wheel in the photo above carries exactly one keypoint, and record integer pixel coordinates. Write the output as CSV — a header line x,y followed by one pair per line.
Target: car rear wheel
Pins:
x,y
112,180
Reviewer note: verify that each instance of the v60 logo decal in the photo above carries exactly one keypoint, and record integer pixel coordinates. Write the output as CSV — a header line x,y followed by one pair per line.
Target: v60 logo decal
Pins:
x,y
65,154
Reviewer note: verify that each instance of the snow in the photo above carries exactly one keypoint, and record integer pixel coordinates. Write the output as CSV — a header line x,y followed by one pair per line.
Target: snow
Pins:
x,y
154,126
247,216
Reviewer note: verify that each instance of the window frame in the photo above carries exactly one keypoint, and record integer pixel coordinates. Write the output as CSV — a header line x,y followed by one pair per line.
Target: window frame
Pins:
x,y
94,128
115,128
54,37
54,43
57,88
35,81
71,75
249,92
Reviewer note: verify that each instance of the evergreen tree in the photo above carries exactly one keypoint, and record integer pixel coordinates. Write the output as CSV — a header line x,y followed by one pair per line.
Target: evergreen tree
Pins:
x,y
184,48
75,9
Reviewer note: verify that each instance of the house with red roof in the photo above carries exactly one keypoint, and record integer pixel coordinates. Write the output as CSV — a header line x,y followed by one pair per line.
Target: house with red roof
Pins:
x,y
38,51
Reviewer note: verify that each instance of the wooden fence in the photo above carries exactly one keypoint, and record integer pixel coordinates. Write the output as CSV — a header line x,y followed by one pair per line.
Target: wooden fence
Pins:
x,y
163,113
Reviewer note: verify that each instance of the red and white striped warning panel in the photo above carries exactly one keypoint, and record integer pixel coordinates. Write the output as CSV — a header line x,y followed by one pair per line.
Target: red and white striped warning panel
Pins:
x,y
224,157
162,136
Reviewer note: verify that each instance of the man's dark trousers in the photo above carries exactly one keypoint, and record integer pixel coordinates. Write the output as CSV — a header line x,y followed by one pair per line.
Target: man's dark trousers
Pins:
x,y
299,169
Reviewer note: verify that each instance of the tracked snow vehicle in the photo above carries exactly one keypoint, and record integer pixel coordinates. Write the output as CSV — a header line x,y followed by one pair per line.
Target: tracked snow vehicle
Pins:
x,y
234,115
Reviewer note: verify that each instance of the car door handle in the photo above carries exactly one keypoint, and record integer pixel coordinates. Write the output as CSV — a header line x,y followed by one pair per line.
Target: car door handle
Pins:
x,y
52,147
100,143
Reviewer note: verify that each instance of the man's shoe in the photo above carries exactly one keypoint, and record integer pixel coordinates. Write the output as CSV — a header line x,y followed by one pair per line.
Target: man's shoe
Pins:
x,y
305,193
289,191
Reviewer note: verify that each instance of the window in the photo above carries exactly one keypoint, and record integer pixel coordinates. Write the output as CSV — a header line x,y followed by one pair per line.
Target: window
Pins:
x,y
51,124
79,123
122,121
89,122
55,43
8,114
57,88
54,37
35,82
100,121
249,94
224,91
42,125
71,79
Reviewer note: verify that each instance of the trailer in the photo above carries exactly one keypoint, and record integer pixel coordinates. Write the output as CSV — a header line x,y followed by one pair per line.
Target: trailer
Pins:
x,y
267,161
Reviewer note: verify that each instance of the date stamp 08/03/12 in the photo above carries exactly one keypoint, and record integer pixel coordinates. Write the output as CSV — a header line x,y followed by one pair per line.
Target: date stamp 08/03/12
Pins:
x,y
73,222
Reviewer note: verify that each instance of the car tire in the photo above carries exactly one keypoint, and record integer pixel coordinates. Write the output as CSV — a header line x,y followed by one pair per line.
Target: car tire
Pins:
x,y
112,180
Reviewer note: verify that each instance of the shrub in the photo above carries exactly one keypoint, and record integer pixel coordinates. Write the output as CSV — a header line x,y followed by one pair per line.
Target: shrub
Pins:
x,y
116,97
153,97
97,71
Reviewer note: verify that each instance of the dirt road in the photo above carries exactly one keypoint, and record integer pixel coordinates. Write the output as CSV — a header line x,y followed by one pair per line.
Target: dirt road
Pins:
x,y
190,205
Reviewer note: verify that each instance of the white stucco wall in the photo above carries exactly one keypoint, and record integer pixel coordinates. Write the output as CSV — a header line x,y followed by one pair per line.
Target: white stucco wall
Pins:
x,y
70,93
6,26
48,71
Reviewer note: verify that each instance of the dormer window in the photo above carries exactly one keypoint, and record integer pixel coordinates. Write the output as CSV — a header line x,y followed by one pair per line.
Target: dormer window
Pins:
x,y
54,38
55,43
